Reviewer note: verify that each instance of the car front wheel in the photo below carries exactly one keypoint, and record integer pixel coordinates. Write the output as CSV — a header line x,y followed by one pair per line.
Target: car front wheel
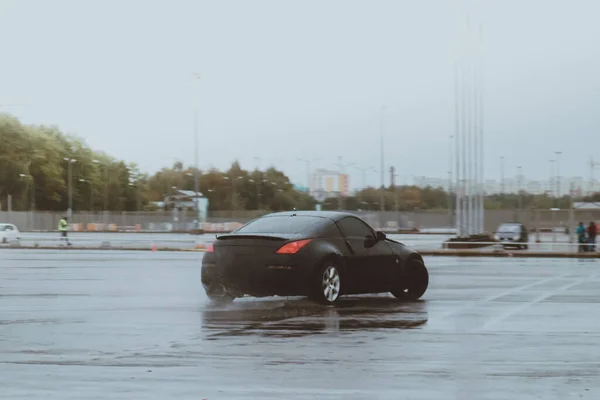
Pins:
x,y
327,284
415,282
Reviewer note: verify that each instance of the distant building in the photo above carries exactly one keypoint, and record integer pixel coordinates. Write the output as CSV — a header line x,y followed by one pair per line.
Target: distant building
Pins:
x,y
325,183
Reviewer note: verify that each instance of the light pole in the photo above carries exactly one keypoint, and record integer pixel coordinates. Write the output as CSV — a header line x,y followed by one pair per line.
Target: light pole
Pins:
x,y
308,161
233,199
70,161
91,193
451,137
558,153
502,175
520,190
364,174
105,206
342,167
197,77
30,190
258,205
551,185
382,172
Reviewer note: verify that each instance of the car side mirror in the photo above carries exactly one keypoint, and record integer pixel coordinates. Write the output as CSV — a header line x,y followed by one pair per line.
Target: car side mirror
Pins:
x,y
380,236
370,241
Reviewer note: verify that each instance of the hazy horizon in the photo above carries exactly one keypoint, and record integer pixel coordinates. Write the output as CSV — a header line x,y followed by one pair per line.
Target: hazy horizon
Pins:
x,y
281,80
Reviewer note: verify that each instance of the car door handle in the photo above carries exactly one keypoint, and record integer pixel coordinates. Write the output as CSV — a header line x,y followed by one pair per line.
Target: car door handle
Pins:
x,y
349,247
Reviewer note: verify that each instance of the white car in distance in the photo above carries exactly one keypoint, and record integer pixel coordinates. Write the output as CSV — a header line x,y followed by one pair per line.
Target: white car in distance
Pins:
x,y
9,233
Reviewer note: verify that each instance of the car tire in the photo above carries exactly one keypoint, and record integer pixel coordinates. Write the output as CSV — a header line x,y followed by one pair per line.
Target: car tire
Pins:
x,y
415,283
327,283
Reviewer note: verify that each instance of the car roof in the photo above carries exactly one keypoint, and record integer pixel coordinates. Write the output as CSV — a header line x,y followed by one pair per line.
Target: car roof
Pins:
x,y
332,215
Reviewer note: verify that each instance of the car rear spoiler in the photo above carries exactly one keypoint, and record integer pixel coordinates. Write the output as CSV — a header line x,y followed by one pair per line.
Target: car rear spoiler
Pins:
x,y
253,236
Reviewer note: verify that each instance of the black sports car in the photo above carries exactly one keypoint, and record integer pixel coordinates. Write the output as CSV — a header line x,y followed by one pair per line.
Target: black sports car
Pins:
x,y
311,253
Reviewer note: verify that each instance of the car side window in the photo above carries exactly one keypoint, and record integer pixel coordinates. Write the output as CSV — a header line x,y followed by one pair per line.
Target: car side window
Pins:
x,y
8,228
354,227
332,231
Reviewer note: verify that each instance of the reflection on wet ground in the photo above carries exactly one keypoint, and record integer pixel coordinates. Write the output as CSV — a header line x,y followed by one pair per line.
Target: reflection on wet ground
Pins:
x,y
123,325
300,317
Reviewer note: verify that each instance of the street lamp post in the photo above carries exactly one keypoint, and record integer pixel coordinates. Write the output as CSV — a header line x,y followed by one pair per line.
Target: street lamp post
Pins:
x,y
196,178
233,199
91,193
364,174
502,175
30,191
558,153
308,161
70,185
551,183
520,190
342,167
105,206
258,205
382,168
450,161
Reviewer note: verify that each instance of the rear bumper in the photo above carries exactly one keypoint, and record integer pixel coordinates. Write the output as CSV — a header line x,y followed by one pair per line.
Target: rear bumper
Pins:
x,y
279,275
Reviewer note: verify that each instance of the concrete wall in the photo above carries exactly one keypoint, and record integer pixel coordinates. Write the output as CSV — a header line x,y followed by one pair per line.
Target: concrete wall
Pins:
x,y
47,221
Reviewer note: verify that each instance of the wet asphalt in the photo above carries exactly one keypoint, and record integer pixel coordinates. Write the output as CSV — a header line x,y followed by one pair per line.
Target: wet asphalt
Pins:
x,y
137,325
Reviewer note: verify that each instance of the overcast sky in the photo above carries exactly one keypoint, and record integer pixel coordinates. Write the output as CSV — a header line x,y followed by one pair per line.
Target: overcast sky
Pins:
x,y
287,79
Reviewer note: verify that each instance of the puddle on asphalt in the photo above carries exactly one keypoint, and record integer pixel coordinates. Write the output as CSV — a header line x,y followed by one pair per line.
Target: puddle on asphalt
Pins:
x,y
300,317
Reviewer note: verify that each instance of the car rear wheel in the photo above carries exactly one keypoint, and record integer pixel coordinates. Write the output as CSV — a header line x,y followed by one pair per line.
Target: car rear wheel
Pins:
x,y
327,284
415,283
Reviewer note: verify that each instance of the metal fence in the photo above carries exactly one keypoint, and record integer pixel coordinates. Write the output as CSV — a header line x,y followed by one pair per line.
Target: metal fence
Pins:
x,y
163,221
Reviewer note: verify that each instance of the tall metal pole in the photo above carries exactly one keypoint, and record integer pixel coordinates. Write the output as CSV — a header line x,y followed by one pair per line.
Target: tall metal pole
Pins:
x,y
558,191
364,174
70,184
196,182
342,167
481,135
382,197
450,180
308,169
458,214
196,178
70,210
465,210
258,183
475,152
502,175
520,191
551,185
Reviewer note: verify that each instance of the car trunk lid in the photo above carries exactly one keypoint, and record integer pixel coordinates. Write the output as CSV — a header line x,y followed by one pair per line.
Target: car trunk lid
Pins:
x,y
249,244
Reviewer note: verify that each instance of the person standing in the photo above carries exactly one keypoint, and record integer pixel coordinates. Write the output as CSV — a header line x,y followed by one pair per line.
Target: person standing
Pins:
x,y
592,231
63,226
581,236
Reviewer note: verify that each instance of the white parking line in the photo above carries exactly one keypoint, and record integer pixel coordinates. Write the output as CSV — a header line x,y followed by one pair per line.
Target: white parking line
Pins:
x,y
499,295
495,320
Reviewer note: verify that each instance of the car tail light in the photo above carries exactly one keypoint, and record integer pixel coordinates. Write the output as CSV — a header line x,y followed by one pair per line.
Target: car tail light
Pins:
x,y
293,247
210,248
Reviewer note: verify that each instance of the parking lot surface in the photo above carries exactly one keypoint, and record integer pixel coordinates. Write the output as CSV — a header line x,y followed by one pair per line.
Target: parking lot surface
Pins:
x,y
137,325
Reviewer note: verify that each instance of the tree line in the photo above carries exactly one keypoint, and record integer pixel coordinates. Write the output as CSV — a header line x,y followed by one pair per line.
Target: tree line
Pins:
x,y
35,163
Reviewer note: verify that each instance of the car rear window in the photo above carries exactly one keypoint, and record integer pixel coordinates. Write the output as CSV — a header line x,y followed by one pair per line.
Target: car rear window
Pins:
x,y
281,224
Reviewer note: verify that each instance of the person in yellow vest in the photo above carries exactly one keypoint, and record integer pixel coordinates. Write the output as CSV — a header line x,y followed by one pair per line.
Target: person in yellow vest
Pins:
x,y
63,226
